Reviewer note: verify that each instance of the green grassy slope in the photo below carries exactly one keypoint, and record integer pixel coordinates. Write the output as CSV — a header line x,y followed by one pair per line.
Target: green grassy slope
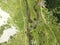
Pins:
x,y
36,25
